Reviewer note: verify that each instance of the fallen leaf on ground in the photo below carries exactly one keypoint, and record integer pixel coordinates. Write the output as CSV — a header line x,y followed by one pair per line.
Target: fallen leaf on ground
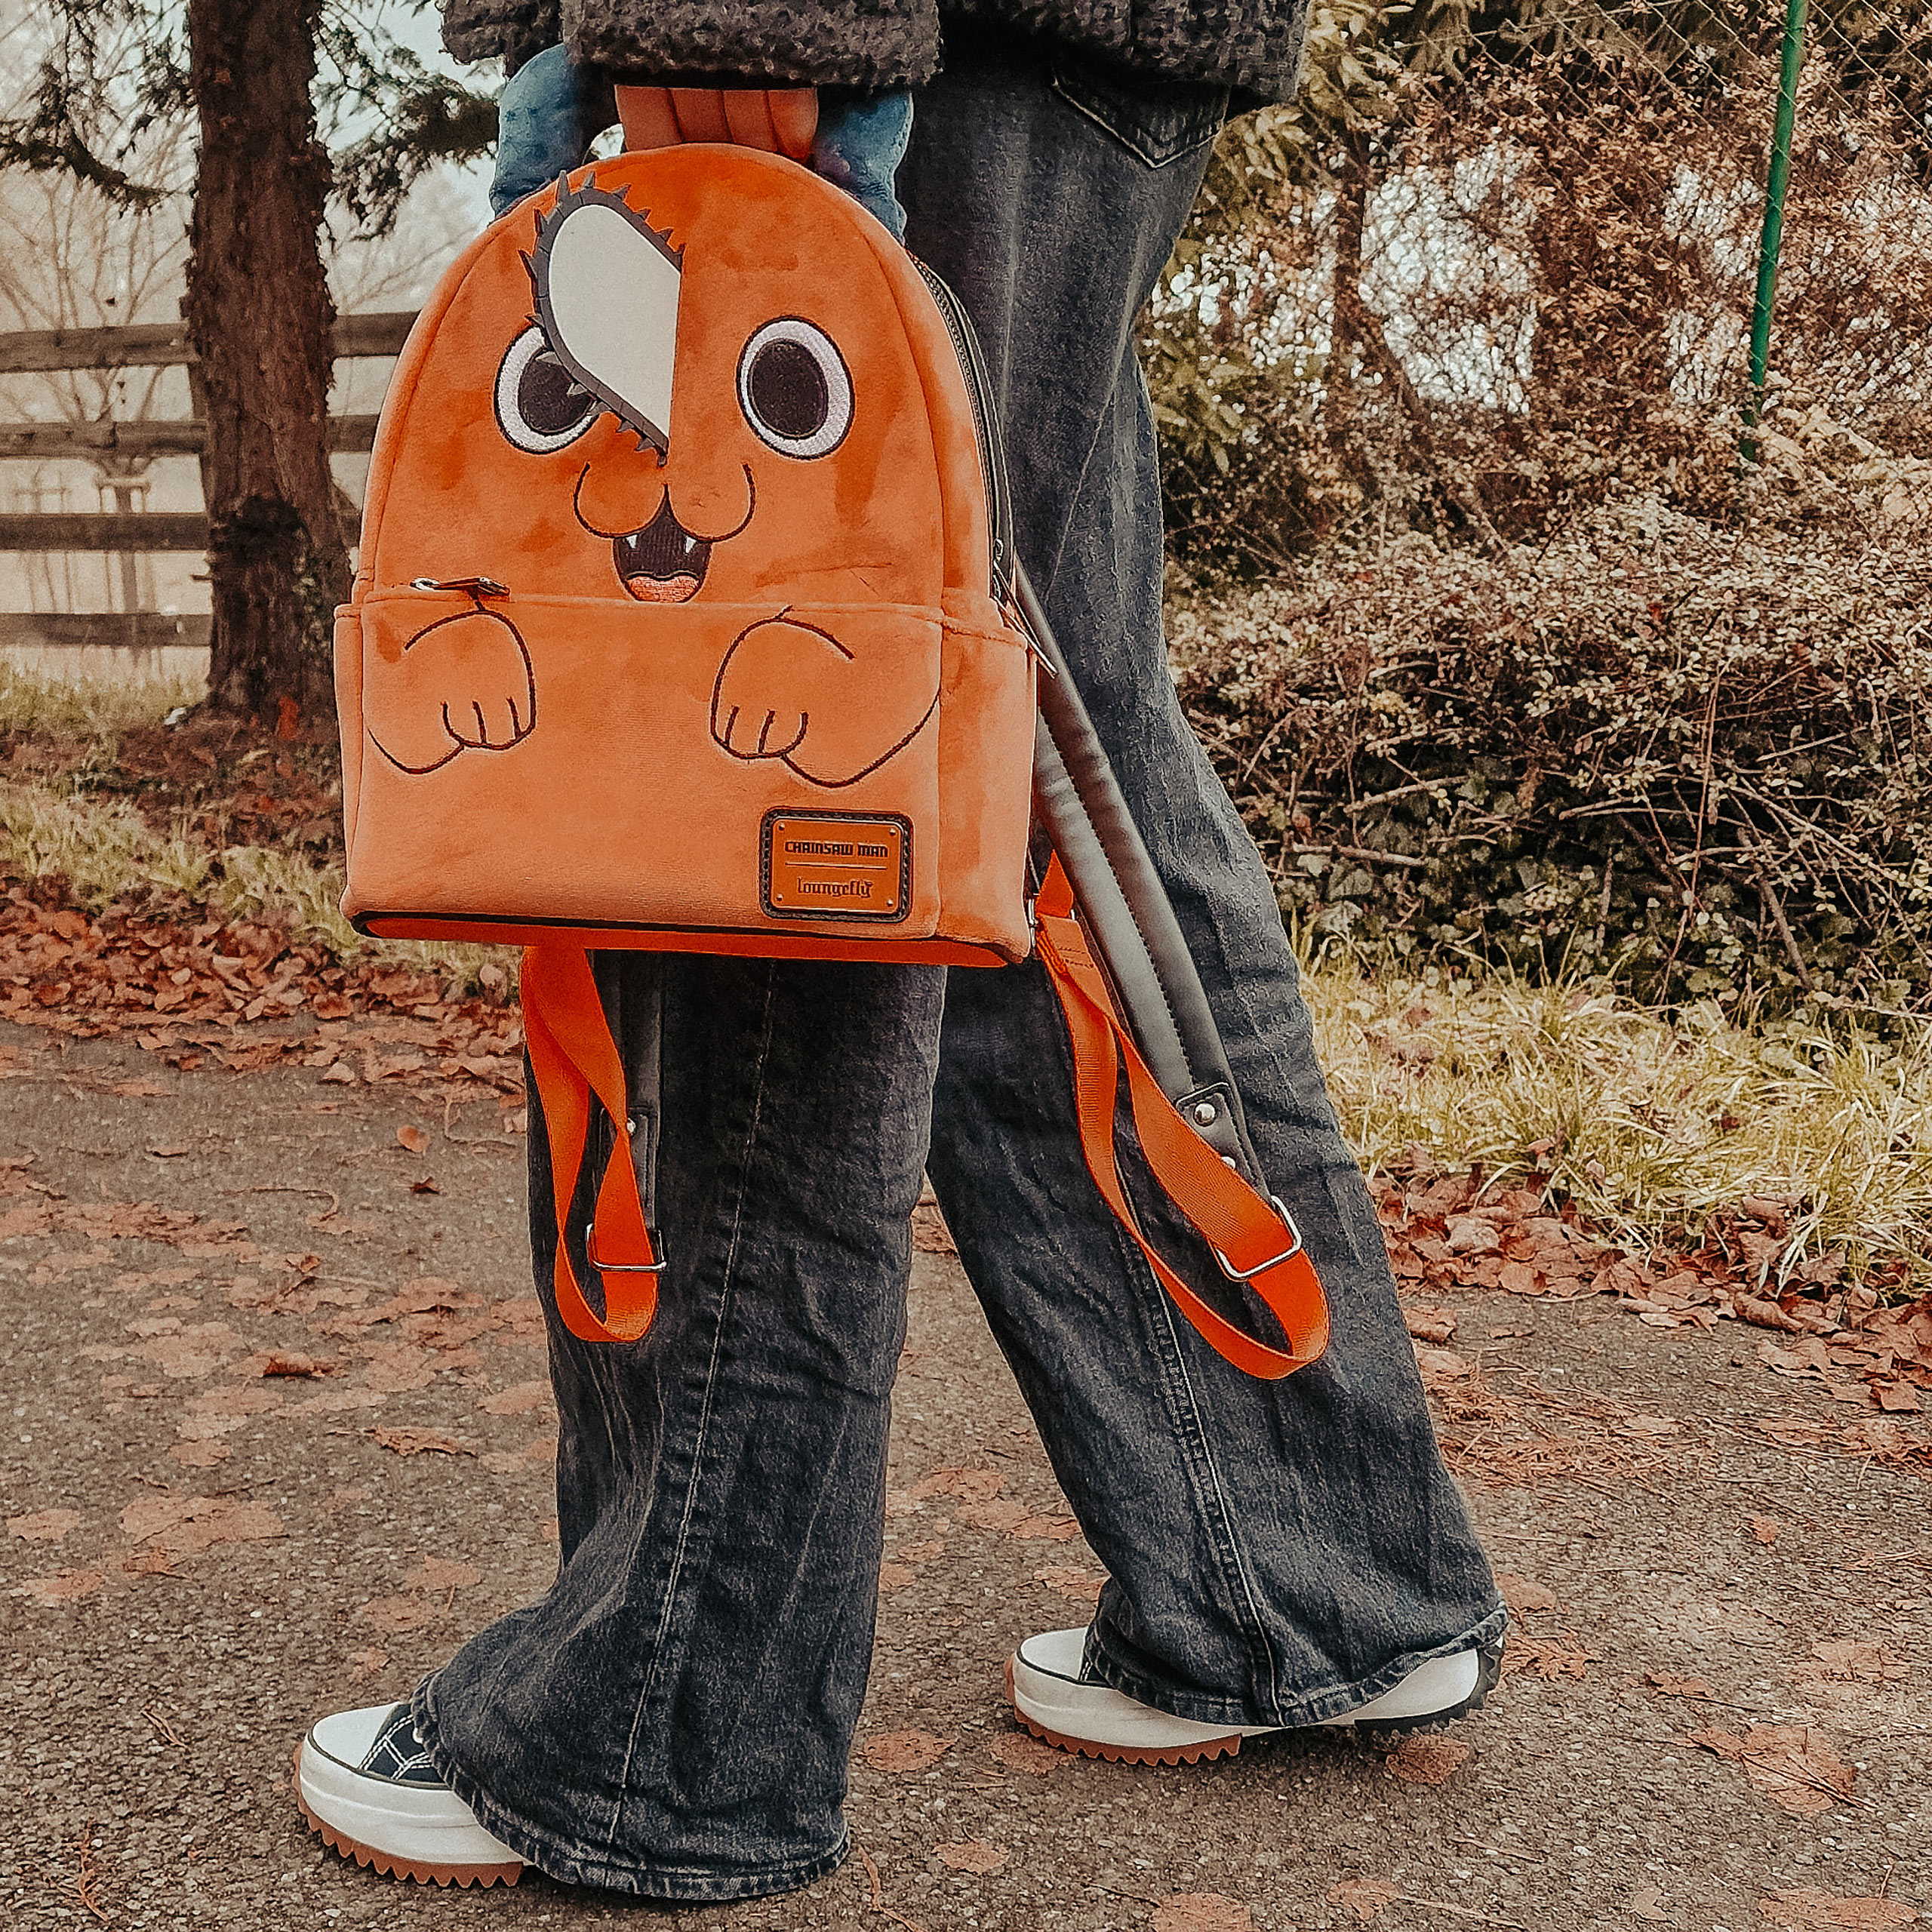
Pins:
x,y
998,1512
1077,1585
518,1400
1794,1765
931,1235
439,1573
414,1139
1677,1686
905,1750
1522,1596
44,1525
1812,1912
971,1485
1468,1235
1850,1660
186,1525
1201,1911
971,1855
156,1562
1430,1325
1046,1529
1549,1657
421,1441
396,1614
66,1586
504,1462
1440,1365
1766,1528
1364,1897
896,1575
1421,1760
1020,1751
189,1353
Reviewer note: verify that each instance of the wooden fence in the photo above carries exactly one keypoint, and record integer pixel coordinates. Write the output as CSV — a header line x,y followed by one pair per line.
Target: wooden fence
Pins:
x,y
140,346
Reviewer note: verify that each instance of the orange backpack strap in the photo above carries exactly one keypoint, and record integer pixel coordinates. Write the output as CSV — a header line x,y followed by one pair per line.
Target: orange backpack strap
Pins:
x,y
1255,1240
573,1055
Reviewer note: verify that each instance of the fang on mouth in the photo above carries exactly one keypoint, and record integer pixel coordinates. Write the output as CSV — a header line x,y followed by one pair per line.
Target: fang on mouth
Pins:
x,y
662,562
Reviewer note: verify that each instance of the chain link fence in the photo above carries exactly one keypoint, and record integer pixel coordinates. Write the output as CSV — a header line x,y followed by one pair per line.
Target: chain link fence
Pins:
x,y
1525,623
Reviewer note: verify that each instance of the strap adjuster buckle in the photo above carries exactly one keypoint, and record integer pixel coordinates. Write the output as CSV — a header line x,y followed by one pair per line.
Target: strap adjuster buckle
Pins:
x,y
626,1267
1287,1254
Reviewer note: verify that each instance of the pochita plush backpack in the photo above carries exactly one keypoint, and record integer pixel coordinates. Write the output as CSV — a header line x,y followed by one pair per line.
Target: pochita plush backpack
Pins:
x,y
687,619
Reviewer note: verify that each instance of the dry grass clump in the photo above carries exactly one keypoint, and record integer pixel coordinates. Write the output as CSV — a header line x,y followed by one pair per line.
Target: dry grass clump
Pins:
x,y
1651,1126
103,853
88,707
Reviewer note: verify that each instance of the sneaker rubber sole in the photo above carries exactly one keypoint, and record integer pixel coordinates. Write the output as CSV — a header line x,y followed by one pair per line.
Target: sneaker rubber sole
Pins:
x,y
1121,1754
1489,1670
391,1864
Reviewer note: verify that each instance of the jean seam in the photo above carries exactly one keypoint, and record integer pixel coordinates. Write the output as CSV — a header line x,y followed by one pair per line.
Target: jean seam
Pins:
x,y
1045,590
1195,1444
703,1421
678,1882
1257,1630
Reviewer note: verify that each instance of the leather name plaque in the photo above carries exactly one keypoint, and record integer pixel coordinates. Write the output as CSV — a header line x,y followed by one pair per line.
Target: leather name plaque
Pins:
x,y
836,865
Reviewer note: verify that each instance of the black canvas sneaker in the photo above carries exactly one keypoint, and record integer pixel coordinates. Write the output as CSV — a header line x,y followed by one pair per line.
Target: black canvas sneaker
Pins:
x,y
363,1780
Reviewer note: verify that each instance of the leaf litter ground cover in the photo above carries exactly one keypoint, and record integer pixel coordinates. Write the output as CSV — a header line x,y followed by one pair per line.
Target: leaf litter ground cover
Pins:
x,y
282,1437
246,994
233,1354
205,865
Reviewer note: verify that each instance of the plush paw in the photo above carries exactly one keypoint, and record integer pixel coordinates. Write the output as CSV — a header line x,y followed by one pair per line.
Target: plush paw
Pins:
x,y
790,691
461,684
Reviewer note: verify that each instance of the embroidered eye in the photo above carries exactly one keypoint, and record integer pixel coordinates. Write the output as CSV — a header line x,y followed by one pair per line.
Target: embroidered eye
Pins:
x,y
794,390
539,406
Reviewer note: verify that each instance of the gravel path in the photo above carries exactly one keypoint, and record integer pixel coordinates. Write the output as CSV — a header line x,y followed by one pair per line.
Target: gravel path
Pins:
x,y
208,1545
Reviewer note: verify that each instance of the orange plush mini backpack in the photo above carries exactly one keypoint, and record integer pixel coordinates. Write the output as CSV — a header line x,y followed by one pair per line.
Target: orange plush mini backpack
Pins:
x,y
677,622
687,619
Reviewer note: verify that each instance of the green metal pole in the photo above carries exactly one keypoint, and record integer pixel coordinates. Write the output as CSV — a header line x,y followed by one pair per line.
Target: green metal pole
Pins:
x,y
1774,189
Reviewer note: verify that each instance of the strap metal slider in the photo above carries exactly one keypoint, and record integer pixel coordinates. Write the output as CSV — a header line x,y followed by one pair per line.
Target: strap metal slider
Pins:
x,y
629,1267
1287,1254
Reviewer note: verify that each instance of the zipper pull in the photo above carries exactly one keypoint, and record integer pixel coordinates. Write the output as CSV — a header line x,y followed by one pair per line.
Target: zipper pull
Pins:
x,y
477,587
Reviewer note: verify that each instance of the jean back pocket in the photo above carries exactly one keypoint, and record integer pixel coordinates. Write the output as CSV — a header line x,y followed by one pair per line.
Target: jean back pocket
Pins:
x,y
1160,120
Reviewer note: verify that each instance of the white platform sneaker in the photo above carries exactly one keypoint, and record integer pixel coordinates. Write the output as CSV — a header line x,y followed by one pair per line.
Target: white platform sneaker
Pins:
x,y
1052,1700
363,1780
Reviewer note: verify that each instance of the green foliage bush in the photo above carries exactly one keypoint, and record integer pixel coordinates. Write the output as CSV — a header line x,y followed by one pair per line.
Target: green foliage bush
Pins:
x,y
1692,758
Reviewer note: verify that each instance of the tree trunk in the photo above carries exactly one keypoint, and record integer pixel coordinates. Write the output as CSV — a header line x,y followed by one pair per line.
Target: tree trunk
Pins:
x,y
259,315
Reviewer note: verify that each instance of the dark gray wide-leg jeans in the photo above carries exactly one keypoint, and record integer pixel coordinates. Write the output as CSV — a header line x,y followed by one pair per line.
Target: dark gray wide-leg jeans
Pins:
x,y
674,1718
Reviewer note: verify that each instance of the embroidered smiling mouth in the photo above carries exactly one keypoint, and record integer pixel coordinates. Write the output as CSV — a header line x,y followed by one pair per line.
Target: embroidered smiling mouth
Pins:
x,y
663,563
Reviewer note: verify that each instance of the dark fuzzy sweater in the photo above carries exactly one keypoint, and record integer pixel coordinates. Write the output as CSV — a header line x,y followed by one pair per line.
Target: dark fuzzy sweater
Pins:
x,y
1253,45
